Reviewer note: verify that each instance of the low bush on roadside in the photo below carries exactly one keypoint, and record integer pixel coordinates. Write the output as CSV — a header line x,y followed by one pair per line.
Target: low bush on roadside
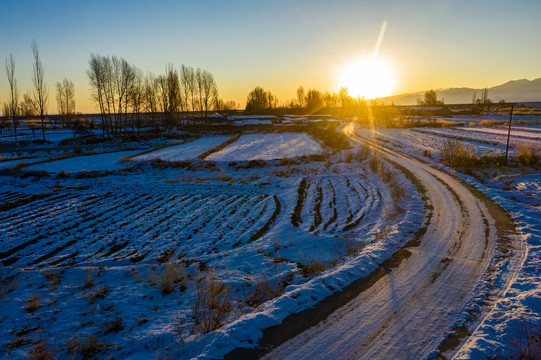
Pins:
x,y
312,267
528,154
455,154
352,246
211,304
265,291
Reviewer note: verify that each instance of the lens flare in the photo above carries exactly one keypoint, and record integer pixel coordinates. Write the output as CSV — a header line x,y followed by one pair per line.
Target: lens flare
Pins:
x,y
368,78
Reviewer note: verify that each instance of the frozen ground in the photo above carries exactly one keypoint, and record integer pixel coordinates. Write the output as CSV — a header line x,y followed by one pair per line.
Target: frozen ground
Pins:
x,y
268,147
187,151
85,257
483,140
504,330
125,257
101,162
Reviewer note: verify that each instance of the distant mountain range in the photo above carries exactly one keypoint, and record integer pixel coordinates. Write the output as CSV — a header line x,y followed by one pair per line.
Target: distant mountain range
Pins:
x,y
512,91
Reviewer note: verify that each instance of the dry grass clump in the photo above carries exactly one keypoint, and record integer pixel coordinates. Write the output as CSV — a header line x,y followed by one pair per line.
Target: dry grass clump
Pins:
x,y
211,304
456,154
398,191
98,294
352,246
33,304
53,278
86,347
113,326
42,350
89,282
264,291
384,233
7,284
363,152
312,267
527,344
172,277
528,154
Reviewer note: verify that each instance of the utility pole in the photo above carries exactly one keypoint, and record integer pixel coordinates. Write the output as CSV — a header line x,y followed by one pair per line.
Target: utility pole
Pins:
x,y
509,132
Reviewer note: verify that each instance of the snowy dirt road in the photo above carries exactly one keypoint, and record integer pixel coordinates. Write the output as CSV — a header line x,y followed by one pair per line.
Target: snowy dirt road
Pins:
x,y
410,311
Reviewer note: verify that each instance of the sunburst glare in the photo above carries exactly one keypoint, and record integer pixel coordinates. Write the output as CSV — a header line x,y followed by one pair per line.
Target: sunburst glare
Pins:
x,y
368,78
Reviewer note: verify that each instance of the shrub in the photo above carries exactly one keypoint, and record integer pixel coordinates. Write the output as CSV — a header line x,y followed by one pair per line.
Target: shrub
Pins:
x,y
33,304
456,154
7,284
42,350
113,326
528,154
398,191
352,246
362,153
86,347
211,305
89,283
528,342
53,278
173,275
264,291
312,267
98,294
373,163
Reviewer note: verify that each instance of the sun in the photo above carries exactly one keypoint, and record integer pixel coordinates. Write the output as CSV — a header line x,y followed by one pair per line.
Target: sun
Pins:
x,y
368,78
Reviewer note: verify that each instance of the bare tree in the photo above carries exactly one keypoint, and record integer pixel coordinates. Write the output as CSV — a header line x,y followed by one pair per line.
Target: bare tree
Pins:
x,y
486,100
136,98
28,106
41,90
13,103
209,91
301,97
151,97
259,99
97,74
314,100
430,99
65,99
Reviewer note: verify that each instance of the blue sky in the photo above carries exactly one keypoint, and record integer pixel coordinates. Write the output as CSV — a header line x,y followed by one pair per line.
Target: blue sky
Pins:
x,y
277,44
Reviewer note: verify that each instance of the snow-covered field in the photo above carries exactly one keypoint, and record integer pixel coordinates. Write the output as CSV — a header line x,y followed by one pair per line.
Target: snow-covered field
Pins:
x,y
132,259
483,140
101,162
504,331
54,136
92,257
187,151
268,147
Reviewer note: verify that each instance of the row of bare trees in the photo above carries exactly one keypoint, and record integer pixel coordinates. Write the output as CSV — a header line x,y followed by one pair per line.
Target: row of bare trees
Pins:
x,y
36,101
311,101
128,98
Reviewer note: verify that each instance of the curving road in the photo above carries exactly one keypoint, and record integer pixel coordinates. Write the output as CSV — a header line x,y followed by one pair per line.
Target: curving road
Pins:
x,y
409,312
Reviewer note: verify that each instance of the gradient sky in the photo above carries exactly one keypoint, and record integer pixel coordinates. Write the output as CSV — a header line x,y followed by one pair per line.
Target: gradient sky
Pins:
x,y
277,44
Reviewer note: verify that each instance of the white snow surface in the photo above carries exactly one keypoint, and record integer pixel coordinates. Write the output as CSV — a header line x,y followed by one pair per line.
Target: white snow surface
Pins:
x,y
504,329
268,147
187,151
230,224
100,162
